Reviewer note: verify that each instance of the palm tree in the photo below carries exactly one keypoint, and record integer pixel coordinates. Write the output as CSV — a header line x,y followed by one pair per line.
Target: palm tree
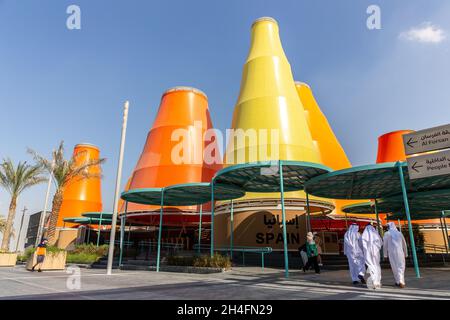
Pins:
x,y
65,171
15,180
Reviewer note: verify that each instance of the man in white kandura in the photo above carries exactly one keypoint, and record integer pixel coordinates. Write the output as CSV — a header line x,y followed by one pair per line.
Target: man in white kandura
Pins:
x,y
372,244
394,247
355,255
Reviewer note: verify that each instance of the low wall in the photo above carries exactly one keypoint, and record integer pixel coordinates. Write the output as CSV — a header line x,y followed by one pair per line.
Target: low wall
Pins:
x,y
8,259
52,261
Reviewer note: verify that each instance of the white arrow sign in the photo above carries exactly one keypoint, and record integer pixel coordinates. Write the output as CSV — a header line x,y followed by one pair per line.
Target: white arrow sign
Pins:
x,y
428,165
436,138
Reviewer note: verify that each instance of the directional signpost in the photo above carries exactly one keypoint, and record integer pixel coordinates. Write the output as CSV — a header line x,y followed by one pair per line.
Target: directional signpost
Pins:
x,y
436,138
428,165
426,161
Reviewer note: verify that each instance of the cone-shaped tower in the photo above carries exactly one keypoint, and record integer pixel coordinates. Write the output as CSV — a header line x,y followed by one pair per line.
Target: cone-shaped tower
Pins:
x,y
268,117
268,104
82,195
268,100
390,146
175,150
331,152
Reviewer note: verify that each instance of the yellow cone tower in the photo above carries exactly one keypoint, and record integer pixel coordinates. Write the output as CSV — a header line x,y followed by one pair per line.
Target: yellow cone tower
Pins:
x,y
268,100
268,105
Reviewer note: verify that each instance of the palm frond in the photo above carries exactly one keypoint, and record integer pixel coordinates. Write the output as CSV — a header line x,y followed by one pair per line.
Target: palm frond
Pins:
x,y
67,170
15,179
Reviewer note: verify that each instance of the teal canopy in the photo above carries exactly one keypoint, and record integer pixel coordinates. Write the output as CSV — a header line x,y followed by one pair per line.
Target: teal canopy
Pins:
x,y
265,177
79,220
98,215
371,182
183,194
420,216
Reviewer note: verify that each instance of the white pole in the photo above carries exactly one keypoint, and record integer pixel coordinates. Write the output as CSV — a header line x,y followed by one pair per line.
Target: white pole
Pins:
x,y
43,214
117,191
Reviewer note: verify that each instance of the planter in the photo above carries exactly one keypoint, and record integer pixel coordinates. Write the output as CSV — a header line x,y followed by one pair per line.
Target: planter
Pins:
x,y
8,259
52,261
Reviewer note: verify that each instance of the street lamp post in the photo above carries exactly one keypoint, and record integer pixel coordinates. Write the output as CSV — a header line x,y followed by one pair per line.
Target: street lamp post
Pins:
x,y
117,191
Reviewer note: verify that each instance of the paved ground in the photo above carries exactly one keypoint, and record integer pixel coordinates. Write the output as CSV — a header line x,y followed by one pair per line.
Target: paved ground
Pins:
x,y
240,283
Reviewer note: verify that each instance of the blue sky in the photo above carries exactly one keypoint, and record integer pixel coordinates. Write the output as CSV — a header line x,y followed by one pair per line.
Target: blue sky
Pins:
x,y
59,84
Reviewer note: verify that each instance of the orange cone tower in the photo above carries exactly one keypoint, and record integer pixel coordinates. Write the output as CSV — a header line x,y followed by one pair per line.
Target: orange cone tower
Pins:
x,y
175,151
82,195
390,147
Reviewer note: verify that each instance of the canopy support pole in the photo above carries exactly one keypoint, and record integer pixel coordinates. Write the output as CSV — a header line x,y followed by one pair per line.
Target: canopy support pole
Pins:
x,y
160,230
445,228
380,230
99,229
89,231
286,259
122,228
122,232
443,234
308,213
444,231
346,220
399,225
129,232
212,219
231,229
408,216
200,229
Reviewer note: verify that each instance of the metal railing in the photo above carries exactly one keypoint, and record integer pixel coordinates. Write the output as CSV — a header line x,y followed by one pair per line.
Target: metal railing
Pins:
x,y
117,243
258,250
170,247
426,250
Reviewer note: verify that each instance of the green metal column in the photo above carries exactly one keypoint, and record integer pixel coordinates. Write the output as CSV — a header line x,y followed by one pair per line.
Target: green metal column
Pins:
x,y
408,216
129,232
346,220
122,229
99,228
262,261
443,234
286,258
122,232
200,230
89,231
380,230
445,228
308,213
159,231
231,229
212,218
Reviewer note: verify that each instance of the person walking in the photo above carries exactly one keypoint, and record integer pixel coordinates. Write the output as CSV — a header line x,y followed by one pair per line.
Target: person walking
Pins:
x,y
355,255
394,247
311,250
41,251
372,243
